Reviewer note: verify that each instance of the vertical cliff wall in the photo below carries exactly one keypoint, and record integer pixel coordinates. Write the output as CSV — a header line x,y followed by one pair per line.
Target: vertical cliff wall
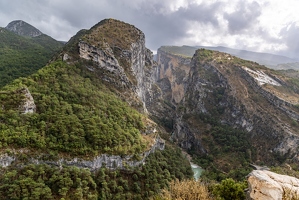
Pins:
x,y
173,71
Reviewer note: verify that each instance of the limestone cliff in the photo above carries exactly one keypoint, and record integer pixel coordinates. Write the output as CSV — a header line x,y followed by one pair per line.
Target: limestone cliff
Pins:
x,y
120,58
173,70
240,94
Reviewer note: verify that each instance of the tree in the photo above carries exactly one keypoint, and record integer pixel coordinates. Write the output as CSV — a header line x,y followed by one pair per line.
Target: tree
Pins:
x,y
229,189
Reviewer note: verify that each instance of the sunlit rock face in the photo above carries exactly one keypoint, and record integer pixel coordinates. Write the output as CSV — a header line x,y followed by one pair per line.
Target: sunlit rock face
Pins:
x,y
266,185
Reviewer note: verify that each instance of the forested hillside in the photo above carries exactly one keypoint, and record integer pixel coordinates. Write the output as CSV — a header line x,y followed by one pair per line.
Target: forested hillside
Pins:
x,y
21,56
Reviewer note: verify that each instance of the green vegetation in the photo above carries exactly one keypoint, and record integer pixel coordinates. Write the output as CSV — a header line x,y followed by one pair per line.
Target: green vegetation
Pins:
x,y
49,182
204,54
229,150
21,56
160,168
229,189
118,34
76,114
34,182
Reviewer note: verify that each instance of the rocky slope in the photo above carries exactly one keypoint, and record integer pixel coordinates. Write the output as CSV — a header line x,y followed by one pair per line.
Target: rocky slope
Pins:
x,y
214,86
22,28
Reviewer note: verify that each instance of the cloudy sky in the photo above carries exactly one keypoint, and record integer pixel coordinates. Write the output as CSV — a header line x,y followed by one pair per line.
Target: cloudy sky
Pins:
x,y
258,25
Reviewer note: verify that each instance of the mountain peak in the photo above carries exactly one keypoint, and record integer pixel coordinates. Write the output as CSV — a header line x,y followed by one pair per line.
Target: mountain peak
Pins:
x,y
113,32
23,28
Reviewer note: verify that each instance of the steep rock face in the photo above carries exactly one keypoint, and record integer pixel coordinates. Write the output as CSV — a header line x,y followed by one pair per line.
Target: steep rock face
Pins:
x,y
173,70
266,185
22,28
236,93
105,60
127,65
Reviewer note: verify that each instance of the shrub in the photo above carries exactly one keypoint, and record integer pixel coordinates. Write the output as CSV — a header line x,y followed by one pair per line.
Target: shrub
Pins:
x,y
229,189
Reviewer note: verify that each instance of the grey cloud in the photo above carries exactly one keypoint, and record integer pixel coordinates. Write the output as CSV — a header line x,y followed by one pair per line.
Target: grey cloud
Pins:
x,y
244,17
290,36
167,28
62,19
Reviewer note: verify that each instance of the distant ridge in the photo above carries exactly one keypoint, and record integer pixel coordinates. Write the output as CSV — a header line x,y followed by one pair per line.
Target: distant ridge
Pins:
x,y
269,60
22,28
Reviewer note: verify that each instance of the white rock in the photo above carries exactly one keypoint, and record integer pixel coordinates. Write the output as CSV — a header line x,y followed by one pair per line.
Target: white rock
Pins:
x,y
261,77
28,104
266,185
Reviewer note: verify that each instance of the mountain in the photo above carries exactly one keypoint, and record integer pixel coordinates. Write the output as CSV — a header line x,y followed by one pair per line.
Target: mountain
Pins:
x,y
269,60
22,28
102,120
21,55
78,128
226,111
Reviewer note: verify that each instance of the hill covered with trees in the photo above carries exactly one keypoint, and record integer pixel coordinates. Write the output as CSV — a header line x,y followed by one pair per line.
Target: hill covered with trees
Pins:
x,y
23,55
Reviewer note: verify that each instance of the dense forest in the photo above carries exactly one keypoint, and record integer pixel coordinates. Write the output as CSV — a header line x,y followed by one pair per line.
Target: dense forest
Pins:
x,y
35,182
75,114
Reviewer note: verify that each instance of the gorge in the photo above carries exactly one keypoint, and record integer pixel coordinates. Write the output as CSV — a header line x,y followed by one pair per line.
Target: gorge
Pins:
x,y
103,103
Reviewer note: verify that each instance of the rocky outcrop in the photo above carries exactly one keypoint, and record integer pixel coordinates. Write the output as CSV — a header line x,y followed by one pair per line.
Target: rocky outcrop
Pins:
x,y
6,160
22,28
111,161
106,60
266,185
28,105
131,68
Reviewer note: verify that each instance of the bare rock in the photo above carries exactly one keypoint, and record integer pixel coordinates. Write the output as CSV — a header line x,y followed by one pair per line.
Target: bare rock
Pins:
x,y
266,185
28,103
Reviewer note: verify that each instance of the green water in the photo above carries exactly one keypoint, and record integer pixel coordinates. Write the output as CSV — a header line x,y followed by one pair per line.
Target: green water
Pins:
x,y
197,170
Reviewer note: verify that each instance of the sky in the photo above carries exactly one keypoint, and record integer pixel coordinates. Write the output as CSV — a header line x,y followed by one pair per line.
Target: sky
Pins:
x,y
270,26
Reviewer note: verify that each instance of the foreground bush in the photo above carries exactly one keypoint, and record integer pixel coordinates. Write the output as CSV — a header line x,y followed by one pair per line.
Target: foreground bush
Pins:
x,y
229,189
183,190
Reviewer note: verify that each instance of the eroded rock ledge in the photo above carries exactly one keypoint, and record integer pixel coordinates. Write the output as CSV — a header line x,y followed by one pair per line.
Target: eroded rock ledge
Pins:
x,y
110,161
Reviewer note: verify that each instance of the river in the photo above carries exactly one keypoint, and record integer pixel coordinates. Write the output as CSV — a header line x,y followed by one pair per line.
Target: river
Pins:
x,y
197,170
